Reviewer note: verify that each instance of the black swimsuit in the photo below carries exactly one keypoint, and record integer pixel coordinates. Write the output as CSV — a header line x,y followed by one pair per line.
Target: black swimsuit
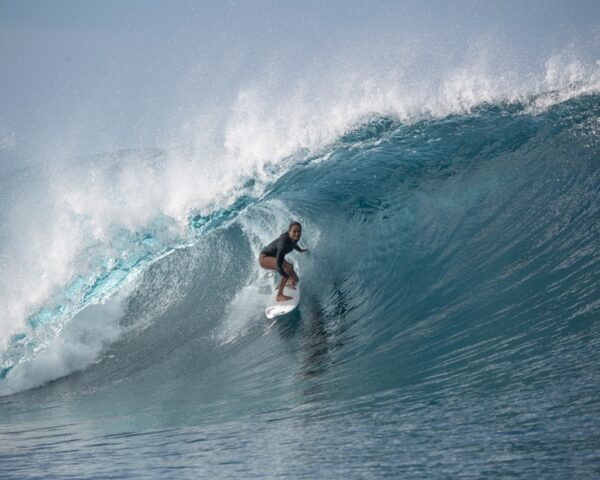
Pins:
x,y
278,248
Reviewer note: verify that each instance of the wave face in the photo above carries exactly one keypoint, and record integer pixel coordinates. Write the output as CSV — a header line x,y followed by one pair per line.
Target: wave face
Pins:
x,y
448,323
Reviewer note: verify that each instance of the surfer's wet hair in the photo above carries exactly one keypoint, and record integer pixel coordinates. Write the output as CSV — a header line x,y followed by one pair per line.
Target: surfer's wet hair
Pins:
x,y
294,223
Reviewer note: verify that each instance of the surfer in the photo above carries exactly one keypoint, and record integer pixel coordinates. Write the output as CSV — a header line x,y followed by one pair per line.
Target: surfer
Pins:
x,y
272,258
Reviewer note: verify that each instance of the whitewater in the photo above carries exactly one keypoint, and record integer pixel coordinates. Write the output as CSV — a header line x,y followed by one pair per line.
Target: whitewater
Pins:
x,y
448,326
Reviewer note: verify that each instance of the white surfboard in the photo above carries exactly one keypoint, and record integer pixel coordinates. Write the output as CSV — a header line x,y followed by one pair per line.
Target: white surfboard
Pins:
x,y
275,308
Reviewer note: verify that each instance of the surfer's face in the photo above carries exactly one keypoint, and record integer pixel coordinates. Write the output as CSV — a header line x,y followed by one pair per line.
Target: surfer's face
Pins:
x,y
294,233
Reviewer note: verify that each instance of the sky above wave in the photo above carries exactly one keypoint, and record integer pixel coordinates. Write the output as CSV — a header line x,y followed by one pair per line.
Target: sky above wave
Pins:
x,y
91,77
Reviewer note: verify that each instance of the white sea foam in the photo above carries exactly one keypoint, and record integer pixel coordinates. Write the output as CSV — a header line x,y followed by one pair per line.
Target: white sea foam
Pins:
x,y
79,345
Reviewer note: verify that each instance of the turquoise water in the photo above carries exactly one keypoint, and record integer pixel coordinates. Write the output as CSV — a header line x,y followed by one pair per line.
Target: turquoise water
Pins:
x,y
448,326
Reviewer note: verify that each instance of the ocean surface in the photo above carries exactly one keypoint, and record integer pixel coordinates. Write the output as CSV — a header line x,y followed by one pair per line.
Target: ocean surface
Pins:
x,y
449,325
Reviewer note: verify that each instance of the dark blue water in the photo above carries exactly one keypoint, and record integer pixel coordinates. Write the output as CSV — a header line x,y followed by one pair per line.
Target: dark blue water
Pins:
x,y
448,326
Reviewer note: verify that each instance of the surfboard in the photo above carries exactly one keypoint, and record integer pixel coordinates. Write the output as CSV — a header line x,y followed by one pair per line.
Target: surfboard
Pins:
x,y
275,308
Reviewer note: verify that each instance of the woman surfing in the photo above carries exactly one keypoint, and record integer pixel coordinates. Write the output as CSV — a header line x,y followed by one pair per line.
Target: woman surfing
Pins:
x,y
272,258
